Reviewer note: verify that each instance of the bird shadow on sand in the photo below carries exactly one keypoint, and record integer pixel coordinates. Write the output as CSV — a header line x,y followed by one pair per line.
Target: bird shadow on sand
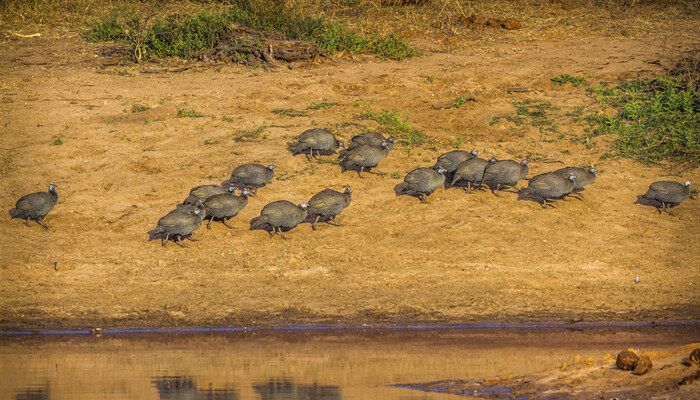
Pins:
x,y
652,203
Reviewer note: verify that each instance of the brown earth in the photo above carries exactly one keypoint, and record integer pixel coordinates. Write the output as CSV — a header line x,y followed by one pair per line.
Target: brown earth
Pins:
x,y
462,258
587,379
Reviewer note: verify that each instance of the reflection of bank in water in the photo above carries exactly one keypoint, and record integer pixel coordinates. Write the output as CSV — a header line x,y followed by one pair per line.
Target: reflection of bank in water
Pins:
x,y
185,388
34,393
284,389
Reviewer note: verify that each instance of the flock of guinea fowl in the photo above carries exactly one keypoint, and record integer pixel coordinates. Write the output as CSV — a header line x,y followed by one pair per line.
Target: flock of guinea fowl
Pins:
x,y
364,152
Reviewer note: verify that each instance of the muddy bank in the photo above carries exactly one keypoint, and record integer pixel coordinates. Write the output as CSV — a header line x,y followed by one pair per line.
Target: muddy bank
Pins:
x,y
585,379
462,258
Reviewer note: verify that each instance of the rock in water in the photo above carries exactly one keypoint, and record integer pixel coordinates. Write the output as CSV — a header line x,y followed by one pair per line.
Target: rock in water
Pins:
x,y
627,360
35,206
250,176
328,204
424,181
643,365
281,216
316,140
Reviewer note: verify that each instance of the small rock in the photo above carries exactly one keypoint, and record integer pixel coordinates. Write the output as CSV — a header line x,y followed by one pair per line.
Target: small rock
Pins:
x,y
643,365
627,360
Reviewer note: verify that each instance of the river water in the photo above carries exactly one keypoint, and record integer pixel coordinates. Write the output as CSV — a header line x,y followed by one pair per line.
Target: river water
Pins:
x,y
296,365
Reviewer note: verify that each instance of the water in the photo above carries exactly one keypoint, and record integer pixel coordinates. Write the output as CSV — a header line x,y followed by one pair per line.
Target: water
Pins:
x,y
309,365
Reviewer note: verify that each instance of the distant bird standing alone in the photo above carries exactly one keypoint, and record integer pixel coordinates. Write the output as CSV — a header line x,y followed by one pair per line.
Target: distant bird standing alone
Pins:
x,y
35,206
665,194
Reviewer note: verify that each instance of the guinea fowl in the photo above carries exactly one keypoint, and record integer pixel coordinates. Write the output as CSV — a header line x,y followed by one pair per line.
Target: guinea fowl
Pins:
x,y
222,207
452,159
250,176
328,204
371,139
471,171
424,181
364,158
281,215
319,140
504,173
583,176
202,193
178,224
35,206
665,194
545,188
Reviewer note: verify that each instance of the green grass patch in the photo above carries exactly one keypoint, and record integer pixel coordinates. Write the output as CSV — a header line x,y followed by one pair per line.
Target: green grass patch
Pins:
x,y
187,36
396,124
289,112
321,105
461,100
656,119
58,140
188,113
566,78
137,108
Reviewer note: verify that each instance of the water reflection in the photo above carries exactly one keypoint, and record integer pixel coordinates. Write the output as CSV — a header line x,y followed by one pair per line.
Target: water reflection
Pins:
x,y
285,389
34,393
185,388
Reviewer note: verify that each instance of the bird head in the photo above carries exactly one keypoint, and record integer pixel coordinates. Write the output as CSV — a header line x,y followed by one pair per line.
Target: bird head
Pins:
x,y
341,144
592,170
347,189
384,143
303,205
687,183
493,160
270,167
391,139
474,153
441,170
231,188
245,192
52,187
524,161
572,178
196,211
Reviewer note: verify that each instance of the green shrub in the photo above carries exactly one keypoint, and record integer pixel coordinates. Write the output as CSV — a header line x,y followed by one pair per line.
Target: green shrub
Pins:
x,y
187,36
564,78
656,119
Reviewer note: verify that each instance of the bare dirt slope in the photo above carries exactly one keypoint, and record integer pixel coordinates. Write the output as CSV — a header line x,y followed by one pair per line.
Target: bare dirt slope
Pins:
x,y
461,258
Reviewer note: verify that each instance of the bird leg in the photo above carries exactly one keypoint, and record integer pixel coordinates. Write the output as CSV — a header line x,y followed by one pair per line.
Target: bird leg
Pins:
x,y
380,173
190,238
668,209
335,223
282,235
313,226
26,221
163,242
423,199
209,222
273,232
495,192
469,187
223,221
359,172
38,221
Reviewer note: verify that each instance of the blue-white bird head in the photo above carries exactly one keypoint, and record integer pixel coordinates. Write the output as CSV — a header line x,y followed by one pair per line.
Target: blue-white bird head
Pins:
x,y
231,188
196,211
474,153
441,170
52,187
303,205
687,183
347,189
524,161
391,139
572,178
245,192
384,143
592,170
341,144
493,160
270,167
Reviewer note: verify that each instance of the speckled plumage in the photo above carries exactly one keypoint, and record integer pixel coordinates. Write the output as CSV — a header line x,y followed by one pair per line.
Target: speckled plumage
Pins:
x,y
35,206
